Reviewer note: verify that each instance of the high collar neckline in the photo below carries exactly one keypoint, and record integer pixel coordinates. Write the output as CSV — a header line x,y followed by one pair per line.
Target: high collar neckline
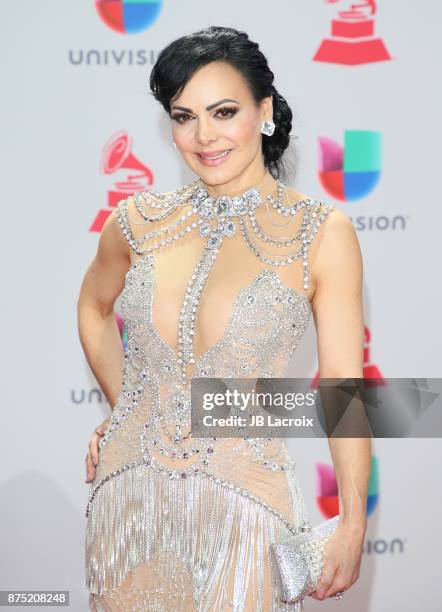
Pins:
x,y
241,194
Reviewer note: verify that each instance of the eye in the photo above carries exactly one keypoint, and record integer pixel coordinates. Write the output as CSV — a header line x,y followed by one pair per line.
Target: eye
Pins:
x,y
180,117
228,111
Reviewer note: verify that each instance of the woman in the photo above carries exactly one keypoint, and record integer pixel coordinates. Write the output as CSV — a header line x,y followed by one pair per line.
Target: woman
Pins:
x,y
218,279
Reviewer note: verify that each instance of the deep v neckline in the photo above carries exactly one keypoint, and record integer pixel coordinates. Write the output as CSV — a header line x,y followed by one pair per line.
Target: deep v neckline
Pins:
x,y
150,257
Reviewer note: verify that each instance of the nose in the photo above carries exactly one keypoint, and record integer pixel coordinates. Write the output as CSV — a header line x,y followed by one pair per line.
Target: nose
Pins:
x,y
205,131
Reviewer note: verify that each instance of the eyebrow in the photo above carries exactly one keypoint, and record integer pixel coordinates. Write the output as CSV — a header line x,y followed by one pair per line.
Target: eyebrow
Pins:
x,y
189,110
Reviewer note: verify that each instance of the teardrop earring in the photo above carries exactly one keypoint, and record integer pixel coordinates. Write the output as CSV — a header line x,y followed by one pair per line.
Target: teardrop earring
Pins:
x,y
174,143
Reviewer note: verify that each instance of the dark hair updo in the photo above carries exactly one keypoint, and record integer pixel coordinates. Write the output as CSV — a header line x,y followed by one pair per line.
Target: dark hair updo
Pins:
x,y
181,58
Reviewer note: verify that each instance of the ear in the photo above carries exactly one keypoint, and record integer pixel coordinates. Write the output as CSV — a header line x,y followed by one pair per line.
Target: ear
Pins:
x,y
266,105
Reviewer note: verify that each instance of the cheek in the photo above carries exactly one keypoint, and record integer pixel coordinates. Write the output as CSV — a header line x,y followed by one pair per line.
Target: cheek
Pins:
x,y
241,132
182,136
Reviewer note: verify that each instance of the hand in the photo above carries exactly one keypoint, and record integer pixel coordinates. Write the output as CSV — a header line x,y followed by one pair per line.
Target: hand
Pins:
x,y
92,454
342,560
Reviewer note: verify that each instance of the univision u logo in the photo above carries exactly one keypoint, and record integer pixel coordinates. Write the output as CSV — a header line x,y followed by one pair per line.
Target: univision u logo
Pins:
x,y
128,16
352,171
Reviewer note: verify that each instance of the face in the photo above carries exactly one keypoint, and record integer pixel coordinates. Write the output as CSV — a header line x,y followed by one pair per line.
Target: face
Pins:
x,y
216,126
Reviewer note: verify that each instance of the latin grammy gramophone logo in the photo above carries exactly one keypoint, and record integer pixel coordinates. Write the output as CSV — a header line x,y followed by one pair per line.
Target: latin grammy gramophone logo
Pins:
x,y
116,159
353,41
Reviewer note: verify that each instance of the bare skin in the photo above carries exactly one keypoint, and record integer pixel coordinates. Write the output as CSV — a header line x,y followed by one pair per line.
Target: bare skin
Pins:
x,y
335,291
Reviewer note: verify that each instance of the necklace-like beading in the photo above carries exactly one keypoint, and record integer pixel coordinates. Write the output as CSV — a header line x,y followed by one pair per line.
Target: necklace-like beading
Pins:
x,y
216,222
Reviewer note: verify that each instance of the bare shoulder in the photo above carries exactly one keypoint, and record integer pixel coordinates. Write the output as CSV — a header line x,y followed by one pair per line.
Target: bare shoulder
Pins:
x,y
333,221
336,236
338,223
104,277
132,216
336,258
112,243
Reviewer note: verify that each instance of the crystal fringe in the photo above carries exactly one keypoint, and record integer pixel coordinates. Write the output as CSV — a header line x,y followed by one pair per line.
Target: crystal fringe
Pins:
x,y
142,519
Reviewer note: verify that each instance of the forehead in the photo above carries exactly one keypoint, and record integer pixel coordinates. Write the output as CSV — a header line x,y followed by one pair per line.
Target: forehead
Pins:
x,y
213,82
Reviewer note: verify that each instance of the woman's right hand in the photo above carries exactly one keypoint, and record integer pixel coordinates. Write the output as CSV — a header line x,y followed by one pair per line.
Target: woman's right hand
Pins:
x,y
92,454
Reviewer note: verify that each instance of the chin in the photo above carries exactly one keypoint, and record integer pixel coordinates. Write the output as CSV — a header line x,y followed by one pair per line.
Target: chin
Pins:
x,y
218,176
213,178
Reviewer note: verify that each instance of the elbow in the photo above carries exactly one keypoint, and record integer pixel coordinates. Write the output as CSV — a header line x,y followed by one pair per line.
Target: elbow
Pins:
x,y
343,373
349,369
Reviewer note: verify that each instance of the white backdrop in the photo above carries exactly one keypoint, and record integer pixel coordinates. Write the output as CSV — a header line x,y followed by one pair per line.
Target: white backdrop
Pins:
x,y
70,83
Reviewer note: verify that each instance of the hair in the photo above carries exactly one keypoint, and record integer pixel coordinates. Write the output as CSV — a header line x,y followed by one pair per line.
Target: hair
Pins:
x,y
177,63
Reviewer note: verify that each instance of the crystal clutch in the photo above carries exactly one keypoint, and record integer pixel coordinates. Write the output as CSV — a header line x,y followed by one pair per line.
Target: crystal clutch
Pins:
x,y
299,559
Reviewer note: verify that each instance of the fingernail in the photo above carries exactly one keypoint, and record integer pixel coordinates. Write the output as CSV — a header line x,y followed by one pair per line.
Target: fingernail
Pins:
x,y
321,593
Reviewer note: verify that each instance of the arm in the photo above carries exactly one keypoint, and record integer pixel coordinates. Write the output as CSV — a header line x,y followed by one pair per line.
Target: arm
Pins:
x,y
97,325
339,321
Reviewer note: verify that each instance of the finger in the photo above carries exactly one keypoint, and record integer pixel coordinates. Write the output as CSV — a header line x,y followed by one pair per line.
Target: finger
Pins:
x,y
325,582
94,450
103,426
89,466
336,587
90,469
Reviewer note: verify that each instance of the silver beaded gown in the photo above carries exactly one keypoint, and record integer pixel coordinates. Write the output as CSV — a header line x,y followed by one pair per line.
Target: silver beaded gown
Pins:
x,y
176,522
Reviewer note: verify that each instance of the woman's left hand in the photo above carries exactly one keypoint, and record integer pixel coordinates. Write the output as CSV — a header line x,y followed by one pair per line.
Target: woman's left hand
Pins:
x,y
342,560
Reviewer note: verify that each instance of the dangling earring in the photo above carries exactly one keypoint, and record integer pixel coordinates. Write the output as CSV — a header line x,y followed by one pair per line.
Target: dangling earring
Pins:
x,y
267,127
174,143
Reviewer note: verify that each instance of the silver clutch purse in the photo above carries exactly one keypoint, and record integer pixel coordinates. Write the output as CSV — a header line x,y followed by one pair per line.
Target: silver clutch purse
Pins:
x,y
299,559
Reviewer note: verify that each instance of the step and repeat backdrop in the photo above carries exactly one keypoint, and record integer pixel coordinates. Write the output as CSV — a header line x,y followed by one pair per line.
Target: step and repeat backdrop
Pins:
x,y
81,131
